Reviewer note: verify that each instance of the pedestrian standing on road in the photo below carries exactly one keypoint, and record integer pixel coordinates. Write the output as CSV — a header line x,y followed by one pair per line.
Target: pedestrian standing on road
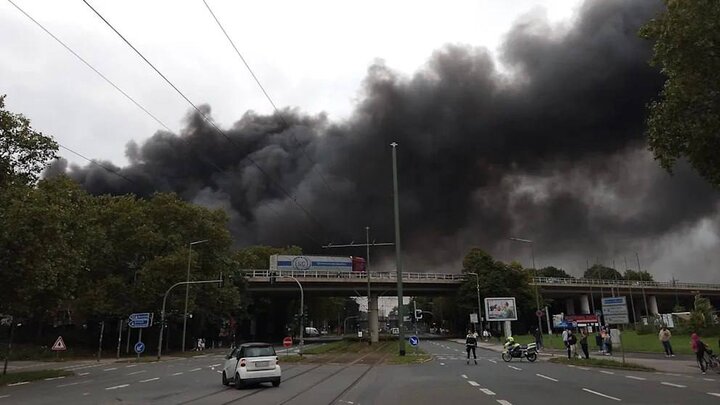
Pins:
x,y
608,343
486,335
599,341
537,333
565,336
699,348
572,345
664,337
584,342
471,345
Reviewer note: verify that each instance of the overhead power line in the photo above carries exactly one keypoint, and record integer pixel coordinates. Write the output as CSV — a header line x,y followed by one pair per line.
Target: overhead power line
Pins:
x,y
96,163
208,120
272,103
91,67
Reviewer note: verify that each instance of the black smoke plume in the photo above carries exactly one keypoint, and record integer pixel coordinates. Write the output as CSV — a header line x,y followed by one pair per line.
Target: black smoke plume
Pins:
x,y
548,145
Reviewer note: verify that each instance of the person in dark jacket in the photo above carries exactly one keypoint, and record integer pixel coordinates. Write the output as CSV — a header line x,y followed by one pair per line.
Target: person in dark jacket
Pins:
x,y
471,345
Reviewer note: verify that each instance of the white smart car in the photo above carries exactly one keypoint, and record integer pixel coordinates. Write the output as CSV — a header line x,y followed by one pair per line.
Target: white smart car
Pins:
x,y
251,363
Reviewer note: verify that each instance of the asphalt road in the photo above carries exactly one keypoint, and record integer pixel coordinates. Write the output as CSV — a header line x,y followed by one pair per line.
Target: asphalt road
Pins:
x,y
196,380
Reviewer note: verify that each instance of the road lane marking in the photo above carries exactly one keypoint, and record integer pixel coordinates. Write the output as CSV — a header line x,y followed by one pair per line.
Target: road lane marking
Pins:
x,y
572,366
463,376
18,383
117,386
110,369
515,368
635,378
709,379
584,368
546,377
473,383
195,369
54,378
487,391
607,372
137,372
219,372
504,402
492,361
75,383
601,394
215,365
149,379
442,364
199,356
132,365
715,394
178,373
4,396
673,385
83,374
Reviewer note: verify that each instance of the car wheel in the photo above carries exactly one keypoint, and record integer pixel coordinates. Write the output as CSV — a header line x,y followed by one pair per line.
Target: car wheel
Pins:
x,y
532,357
276,383
224,379
238,382
506,356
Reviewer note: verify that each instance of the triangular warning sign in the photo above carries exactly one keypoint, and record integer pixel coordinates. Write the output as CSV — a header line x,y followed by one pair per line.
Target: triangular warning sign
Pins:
x,y
59,344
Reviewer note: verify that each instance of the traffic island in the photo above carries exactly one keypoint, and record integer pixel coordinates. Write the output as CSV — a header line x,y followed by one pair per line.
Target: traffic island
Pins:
x,y
24,377
601,363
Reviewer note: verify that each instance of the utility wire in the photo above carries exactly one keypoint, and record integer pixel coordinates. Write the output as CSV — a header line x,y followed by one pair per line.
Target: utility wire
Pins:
x,y
92,161
272,103
208,120
90,66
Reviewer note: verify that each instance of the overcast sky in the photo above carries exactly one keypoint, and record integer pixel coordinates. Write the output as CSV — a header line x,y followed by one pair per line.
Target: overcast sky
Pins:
x,y
311,54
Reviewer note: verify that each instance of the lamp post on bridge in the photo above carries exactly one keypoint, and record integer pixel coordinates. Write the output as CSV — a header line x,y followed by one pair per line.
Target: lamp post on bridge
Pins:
x,y
537,294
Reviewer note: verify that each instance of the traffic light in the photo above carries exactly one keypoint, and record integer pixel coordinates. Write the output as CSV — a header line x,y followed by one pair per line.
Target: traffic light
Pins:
x,y
418,314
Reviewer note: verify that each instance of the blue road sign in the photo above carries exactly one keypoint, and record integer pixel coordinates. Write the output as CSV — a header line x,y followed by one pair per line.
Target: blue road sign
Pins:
x,y
140,320
139,347
413,340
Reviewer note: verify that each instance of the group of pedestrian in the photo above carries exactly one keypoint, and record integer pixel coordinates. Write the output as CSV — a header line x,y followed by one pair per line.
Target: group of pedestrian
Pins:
x,y
603,339
571,340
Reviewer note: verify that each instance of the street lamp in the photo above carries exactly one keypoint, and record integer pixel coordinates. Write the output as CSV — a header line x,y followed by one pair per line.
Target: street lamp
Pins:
x,y
477,288
302,307
187,289
398,260
537,295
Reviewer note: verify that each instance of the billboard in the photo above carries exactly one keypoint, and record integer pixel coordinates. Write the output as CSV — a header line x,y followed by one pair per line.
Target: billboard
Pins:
x,y
310,263
501,309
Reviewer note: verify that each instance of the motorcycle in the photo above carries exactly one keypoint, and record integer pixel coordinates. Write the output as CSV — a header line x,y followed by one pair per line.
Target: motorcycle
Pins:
x,y
518,352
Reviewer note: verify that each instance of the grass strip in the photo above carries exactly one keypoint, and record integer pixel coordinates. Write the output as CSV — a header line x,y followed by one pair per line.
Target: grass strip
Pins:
x,y
21,376
602,363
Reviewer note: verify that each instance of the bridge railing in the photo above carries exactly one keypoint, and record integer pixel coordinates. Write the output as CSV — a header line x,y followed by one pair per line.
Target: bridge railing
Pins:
x,y
378,276
623,283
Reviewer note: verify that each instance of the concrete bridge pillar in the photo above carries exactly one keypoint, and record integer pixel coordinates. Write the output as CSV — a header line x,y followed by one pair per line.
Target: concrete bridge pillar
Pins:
x,y
570,306
584,304
652,303
373,319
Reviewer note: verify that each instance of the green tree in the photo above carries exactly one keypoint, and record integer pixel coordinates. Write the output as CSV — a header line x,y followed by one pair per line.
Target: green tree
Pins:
x,y
258,257
551,271
701,317
638,275
601,272
685,121
24,152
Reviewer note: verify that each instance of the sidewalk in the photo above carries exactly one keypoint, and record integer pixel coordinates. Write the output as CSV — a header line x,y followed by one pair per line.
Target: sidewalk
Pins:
x,y
659,362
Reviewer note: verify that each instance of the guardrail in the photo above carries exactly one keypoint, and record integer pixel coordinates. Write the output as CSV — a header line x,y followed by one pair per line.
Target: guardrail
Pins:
x,y
623,283
377,276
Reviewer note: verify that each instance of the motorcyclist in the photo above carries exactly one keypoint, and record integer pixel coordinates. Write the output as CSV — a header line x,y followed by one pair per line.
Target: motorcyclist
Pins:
x,y
511,346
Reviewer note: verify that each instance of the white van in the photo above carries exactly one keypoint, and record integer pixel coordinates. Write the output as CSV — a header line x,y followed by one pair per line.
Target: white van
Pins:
x,y
311,332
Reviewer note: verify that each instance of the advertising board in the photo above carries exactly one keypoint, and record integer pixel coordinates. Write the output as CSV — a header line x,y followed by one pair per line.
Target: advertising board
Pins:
x,y
501,309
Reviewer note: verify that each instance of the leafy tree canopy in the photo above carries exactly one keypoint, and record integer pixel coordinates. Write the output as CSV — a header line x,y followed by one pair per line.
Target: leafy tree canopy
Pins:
x,y
551,271
638,275
599,271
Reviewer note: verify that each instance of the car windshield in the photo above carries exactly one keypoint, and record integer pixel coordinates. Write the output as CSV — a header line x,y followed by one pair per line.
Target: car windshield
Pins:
x,y
259,351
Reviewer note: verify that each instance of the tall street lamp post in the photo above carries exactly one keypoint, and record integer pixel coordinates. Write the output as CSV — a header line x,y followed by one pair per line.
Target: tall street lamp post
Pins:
x,y
187,290
537,295
398,259
477,288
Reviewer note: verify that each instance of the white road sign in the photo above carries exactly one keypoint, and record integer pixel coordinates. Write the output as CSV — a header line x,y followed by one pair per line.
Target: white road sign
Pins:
x,y
615,310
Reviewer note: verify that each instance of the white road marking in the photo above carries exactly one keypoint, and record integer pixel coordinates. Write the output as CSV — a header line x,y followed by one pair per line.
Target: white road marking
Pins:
x,y
132,365
117,386
584,368
215,365
601,394
75,383
515,368
83,374
673,385
546,377
199,356
487,391
149,379
195,369
178,373
572,366
504,402
635,378
473,383
137,372
709,379
54,378
492,361
463,376
4,396
219,372
18,383
607,372
715,394
110,369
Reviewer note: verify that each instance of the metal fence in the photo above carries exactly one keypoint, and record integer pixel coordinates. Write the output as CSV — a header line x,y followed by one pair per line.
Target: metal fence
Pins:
x,y
556,281
334,275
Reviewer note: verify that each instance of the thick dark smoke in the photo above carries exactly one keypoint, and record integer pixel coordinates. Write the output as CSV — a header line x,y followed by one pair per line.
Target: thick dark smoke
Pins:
x,y
548,147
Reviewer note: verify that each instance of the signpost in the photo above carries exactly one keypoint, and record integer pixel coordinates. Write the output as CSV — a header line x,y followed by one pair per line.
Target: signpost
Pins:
x,y
414,341
615,312
59,346
473,318
140,320
287,342
139,347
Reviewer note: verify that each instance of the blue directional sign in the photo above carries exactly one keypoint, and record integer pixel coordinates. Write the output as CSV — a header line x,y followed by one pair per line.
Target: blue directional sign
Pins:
x,y
413,340
140,320
139,347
